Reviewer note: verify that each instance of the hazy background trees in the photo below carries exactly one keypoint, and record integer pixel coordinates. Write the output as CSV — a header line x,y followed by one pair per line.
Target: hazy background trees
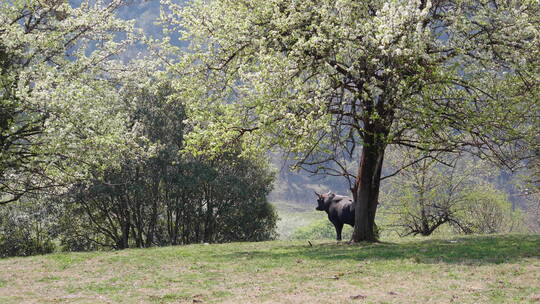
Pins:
x,y
460,192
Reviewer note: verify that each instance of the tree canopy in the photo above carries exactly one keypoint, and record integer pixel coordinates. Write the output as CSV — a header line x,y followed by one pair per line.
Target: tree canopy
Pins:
x,y
60,108
338,81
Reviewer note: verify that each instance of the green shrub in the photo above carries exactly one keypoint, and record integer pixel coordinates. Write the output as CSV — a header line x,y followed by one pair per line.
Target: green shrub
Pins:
x,y
487,210
25,229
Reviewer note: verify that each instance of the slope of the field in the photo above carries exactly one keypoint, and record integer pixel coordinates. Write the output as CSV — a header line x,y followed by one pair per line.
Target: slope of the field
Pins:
x,y
293,216
475,269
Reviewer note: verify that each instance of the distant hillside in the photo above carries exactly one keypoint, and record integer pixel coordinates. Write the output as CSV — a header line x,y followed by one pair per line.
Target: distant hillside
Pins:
x,y
298,187
294,196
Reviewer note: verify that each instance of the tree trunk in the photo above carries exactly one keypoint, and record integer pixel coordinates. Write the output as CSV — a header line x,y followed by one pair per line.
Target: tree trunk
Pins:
x,y
156,202
125,235
208,231
366,188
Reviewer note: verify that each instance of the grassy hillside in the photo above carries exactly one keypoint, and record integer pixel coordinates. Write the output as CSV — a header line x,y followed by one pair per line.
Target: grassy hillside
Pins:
x,y
293,216
477,269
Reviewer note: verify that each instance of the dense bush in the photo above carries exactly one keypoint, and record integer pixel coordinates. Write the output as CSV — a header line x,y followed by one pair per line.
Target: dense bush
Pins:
x,y
487,210
170,198
184,203
26,228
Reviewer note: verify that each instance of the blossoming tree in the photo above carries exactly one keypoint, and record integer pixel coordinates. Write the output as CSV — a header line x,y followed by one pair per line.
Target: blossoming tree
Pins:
x,y
340,81
60,111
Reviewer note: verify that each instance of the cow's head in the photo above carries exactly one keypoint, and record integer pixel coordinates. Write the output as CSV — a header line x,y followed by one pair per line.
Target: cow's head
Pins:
x,y
324,200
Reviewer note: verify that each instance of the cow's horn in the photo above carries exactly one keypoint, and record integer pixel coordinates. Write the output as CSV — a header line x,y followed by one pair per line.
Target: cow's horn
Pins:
x,y
317,194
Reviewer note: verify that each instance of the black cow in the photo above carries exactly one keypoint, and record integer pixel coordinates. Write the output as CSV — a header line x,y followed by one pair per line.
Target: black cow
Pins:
x,y
340,210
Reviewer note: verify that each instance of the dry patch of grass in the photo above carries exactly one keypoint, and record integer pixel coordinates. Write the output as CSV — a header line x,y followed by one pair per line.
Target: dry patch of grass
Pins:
x,y
477,269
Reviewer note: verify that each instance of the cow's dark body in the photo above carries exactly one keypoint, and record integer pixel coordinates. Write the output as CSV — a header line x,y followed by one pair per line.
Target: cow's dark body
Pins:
x,y
340,210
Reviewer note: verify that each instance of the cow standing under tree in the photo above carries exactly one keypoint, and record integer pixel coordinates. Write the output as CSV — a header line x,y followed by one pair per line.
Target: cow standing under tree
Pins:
x,y
340,210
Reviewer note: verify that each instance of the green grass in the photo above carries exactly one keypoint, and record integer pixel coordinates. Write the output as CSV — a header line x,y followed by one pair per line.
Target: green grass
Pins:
x,y
474,269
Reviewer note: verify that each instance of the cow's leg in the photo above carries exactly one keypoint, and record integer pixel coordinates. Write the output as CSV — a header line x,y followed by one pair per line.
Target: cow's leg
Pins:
x,y
339,227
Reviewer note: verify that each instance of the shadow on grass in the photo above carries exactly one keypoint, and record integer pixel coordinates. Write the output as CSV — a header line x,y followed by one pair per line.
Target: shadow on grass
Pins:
x,y
473,250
